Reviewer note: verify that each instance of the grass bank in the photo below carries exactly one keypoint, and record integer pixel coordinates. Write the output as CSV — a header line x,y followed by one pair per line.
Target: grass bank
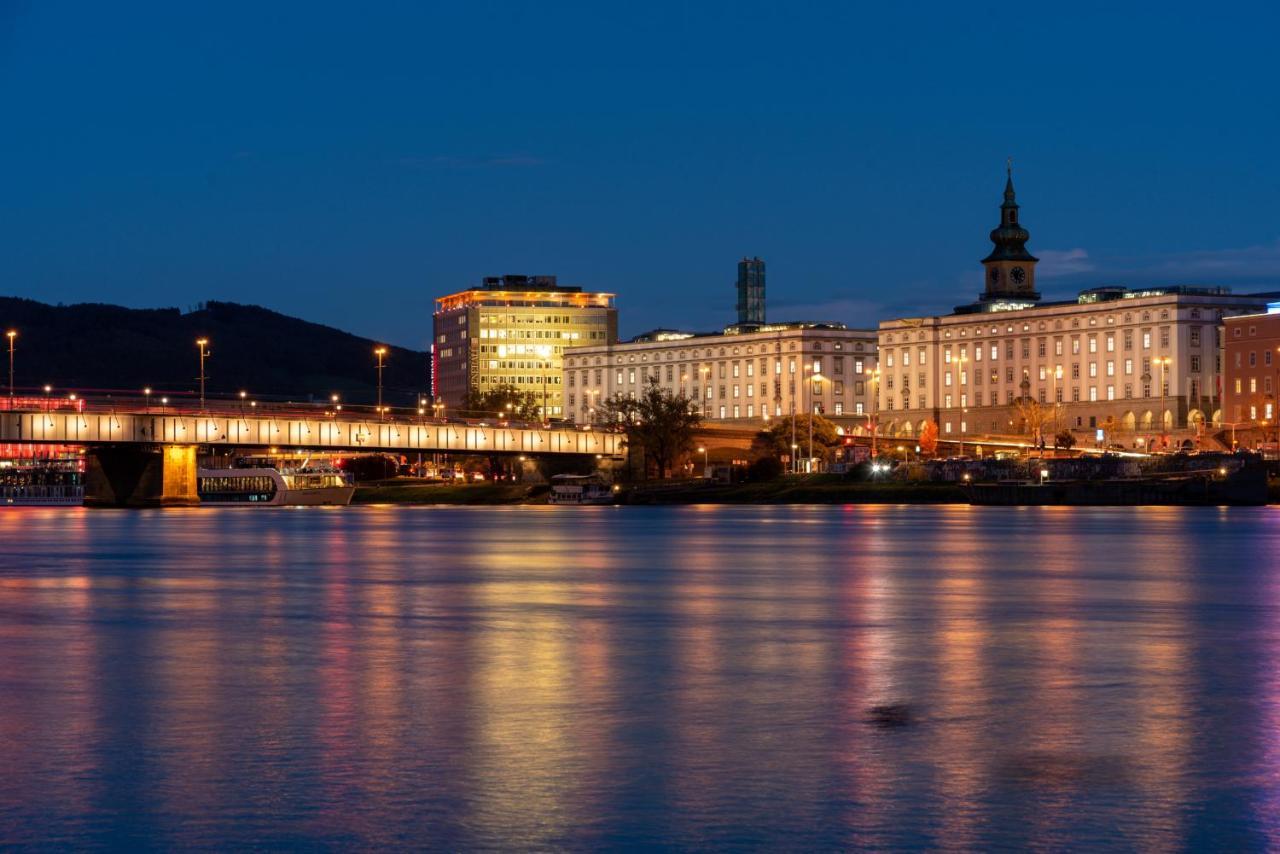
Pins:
x,y
415,492
813,489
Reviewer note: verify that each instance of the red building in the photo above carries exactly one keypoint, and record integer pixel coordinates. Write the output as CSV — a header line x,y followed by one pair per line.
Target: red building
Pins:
x,y
1251,374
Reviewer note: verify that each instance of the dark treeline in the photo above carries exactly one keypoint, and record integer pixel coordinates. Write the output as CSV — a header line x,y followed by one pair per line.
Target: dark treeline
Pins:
x,y
89,347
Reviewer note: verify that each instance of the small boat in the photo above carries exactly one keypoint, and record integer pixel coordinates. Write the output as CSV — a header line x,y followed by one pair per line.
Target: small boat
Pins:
x,y
41,483
580,489
276,480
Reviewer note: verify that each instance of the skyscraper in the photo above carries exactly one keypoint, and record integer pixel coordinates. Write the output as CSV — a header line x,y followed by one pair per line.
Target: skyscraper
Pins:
x,y
750,291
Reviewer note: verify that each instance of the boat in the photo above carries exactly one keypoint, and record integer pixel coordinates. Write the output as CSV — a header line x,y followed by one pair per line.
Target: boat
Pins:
x,y
276,480
41,483
580,489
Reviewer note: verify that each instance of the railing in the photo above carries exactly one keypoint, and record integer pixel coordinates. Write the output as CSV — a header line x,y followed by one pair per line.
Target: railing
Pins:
x,y
33,494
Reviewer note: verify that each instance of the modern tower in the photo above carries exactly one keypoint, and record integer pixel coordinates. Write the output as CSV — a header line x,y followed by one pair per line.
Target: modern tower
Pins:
x,y
751,292
1010,268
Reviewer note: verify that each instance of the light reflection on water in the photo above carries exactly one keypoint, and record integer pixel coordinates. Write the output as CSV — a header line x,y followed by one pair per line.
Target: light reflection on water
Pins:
x,y
683,677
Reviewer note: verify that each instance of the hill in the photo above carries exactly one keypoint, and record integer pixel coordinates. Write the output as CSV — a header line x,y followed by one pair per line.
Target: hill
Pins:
x,y
90,346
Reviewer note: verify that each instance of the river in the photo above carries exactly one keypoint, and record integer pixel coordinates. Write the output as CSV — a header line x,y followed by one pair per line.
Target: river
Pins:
x,y
675,677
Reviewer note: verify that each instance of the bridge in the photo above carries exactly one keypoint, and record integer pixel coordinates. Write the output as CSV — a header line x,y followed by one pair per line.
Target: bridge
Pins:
x,y
147,454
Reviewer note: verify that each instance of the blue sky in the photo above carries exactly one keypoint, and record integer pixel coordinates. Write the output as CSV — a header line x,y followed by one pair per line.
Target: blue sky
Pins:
x,y
346,164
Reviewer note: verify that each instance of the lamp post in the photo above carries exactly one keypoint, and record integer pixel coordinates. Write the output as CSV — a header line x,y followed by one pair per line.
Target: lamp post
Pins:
x,y
962,360
11,334
47,389
702,449
202,344
817,379
380,352
1164,363
146,396
875,408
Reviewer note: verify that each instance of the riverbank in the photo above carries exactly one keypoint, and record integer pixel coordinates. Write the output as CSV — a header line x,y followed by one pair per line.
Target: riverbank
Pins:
x,y
811,489
416,492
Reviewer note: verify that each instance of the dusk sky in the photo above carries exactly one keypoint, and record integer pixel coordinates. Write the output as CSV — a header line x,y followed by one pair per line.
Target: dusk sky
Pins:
x,y
348,163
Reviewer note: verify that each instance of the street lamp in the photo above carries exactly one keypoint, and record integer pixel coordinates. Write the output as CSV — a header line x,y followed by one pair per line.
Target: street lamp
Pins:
x,y
48,388
1164,363
962,360
12,334
702,449
875,408
817,378
380,352
202,344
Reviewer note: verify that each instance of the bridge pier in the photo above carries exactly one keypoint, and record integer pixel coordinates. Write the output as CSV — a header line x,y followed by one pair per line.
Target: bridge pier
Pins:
x,y
141,476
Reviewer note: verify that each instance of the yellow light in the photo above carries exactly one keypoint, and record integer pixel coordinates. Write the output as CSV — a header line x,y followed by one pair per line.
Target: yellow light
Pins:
x,y
202,341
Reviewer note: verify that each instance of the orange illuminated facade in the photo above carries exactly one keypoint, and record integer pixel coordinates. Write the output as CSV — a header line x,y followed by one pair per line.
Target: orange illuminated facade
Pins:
x,y
1251,368
513,331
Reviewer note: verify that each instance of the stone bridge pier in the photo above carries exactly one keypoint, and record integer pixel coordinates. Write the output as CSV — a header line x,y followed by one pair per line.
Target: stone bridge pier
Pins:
x,y
140,476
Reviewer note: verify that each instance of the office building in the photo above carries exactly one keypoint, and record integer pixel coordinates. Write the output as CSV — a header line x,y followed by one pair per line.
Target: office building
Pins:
x,y
514,331
751,313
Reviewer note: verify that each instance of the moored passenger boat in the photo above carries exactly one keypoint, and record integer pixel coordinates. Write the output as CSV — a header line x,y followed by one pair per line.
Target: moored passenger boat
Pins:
x,y
276,480
41,483
580,489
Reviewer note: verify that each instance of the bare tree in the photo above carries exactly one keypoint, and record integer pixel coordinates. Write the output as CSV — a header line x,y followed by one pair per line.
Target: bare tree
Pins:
x,y
1033,415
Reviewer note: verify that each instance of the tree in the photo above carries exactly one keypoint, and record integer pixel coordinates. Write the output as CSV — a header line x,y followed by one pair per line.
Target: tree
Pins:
x,y
1033,415
778,437
658,422
503,401
929,437
1065,440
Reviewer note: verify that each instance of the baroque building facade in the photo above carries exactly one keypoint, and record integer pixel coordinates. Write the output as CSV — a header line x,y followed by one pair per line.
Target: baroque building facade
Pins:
x,y
1128,362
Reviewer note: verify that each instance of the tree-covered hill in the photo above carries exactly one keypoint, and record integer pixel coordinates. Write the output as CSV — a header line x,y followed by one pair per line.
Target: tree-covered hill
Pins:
x,y
91,346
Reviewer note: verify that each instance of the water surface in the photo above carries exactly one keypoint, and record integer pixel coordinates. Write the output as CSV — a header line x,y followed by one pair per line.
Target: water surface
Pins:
x,y
693,677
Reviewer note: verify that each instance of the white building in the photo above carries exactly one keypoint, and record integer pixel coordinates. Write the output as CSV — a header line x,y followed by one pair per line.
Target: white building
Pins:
x,y
746,373
1123,360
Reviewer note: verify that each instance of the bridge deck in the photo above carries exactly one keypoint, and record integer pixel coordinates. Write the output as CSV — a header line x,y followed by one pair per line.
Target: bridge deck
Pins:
x,y
321,433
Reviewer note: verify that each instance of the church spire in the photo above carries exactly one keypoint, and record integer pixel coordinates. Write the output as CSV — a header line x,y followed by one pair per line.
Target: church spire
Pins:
x,y
1009,237
1010,268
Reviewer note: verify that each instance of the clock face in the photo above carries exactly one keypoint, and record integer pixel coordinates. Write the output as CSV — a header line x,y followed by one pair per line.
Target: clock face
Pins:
x,y
995,275
1018,275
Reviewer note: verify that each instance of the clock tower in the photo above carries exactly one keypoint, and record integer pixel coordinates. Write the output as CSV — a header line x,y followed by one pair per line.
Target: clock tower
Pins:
x,y
1010,268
